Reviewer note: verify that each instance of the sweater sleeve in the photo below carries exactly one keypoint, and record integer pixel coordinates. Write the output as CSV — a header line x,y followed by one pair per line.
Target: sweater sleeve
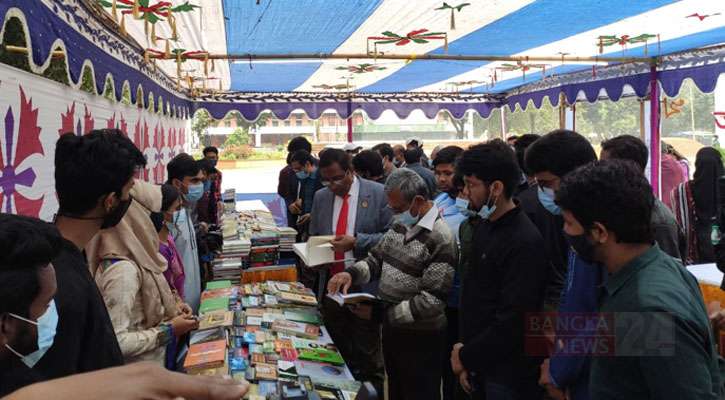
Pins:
x,y
522,272
369,268
435,287
120,286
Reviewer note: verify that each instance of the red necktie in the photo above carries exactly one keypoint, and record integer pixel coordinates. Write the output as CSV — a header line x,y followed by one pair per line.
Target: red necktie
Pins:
x,y
339,231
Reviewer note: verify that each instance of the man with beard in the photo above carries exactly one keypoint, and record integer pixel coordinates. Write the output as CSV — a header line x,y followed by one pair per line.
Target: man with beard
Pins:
x,y
28,317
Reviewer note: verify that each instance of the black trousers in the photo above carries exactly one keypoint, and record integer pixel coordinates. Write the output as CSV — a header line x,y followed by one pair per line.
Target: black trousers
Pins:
x,y
452,389
413,363
359,342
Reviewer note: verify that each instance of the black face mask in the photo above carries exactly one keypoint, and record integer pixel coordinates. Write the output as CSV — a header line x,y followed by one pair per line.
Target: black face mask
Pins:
x,y
581,247
116,214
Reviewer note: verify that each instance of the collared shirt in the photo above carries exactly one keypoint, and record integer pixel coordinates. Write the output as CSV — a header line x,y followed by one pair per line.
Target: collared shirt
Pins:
x,y
354,193
426,222
447,208
309,192
687,366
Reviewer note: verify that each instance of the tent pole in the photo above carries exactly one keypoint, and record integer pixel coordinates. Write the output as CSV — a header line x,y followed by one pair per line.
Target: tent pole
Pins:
x,y
654,133
503,123
349,121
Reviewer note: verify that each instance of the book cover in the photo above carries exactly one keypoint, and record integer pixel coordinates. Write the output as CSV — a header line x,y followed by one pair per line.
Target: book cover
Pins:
x,y
209,354
282,344
320,355
238,342
299,298
288,355
271,317
237,364
216,293
214,304
257,358
249,337
216,318
296,328
266,371
255,312
254,321
268,346
218,284
256,348
313,370
239,331
301,343
260,337
239,318
301,316
324,383
241,352
286,369
207,335
270,300
253,328
267,388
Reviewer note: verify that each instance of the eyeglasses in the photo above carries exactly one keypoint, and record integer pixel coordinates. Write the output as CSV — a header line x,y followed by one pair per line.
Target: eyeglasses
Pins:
x,y
546,184
336,182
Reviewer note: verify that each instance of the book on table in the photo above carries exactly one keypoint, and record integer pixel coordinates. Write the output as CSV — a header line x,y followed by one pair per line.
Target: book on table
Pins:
x,y
218,284
297,329
206,355
214,304
317,251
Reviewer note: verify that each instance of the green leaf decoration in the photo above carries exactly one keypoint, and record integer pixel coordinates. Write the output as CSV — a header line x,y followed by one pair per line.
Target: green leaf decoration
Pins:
x,y
185,7
391,34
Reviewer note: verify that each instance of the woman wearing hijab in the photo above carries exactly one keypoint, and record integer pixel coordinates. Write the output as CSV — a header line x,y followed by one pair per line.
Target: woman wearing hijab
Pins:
x,y
129,271
672,175
170,206
695,205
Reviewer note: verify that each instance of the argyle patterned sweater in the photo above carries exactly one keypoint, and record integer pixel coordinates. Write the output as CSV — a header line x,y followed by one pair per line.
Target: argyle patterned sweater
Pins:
x,y
416,269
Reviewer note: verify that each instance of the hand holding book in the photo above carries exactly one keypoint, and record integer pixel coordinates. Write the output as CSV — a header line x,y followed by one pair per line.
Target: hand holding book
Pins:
x,y
342,280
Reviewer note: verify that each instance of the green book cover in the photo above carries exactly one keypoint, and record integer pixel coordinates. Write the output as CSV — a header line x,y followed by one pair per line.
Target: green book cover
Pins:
x,y
301,316
218,284
320,355
220,303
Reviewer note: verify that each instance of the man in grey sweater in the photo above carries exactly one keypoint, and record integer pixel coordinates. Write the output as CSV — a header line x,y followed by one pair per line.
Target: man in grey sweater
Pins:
x,y
415,262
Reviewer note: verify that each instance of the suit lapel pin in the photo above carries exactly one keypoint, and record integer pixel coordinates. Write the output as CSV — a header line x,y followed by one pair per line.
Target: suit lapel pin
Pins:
x,y
364,204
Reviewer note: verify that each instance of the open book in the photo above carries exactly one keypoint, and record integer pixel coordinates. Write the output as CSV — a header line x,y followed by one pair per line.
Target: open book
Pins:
x,y
357,298
317,251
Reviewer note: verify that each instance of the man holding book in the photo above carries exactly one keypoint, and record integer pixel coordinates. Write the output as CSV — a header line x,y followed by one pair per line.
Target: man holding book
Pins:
x,y
354,210
414,285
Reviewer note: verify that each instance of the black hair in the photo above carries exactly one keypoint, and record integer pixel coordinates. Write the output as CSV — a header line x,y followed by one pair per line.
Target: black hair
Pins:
x,y
522,143
210,149
368,161
182,166
88,167
335,156
458,182
206,166
614,193
385,150
303,157
489,162
559,152
627,147
413,155
169,195
29,245
447,155
299,143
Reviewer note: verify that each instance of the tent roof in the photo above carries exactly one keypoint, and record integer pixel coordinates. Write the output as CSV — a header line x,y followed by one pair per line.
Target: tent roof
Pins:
x,y
520,28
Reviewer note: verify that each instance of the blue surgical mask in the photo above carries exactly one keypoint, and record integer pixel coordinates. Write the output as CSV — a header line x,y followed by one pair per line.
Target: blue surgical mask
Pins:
x,y
430,163
395,162
213,163
406,218
195,193
207,186
523,177
179,217
486,211
47,324
546,197
462,206
302,175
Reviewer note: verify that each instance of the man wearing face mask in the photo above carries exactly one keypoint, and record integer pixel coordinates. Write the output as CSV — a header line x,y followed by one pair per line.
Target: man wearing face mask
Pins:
x,y
550,159
415,261
93,176
211,154
28,314
307,171
669,351
186,175
505,280
389,161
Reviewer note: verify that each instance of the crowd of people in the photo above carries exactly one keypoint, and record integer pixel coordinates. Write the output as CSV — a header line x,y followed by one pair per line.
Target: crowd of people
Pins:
x,y
463,250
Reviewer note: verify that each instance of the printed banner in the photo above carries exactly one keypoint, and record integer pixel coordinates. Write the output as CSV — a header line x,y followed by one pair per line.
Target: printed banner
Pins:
x,y
35,111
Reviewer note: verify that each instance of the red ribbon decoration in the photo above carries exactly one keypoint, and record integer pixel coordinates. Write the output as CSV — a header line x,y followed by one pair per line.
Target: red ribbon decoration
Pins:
x,y
152,9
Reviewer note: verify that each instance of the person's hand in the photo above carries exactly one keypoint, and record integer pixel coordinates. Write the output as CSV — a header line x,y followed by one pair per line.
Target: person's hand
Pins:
x,y
183,309
463,380
340,280
343,243
717,315
294,208
363,311
545,382
183,324
205,226
134,381
303,219
456,364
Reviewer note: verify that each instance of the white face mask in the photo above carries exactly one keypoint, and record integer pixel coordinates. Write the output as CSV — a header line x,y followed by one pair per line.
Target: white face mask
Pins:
x,y
47,324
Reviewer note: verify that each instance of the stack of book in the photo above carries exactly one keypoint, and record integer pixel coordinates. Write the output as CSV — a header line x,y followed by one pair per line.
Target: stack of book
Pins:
x,y
287,237
271,335
230,195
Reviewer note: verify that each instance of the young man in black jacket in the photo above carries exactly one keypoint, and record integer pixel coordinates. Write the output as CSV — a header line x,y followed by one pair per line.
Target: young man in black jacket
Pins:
x,y
506,279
